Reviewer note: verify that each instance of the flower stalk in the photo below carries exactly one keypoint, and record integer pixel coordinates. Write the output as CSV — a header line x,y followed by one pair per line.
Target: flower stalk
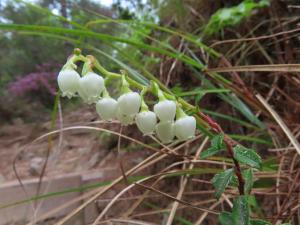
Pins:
x,y
131,103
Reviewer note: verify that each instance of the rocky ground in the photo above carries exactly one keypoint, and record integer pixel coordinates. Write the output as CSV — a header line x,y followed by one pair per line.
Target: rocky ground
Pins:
x,y
78,150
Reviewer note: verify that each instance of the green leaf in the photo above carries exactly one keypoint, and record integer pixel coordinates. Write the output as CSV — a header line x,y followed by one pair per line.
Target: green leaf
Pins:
x,y
217,141
252,201
267,182
209,152
234,181
262,140
247,156
248,177
259,222
270,164
217,145
240,211
230,118
226,17
199,97
221,180
225,218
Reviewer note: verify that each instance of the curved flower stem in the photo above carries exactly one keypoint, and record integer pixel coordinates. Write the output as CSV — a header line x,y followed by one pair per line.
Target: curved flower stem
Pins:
x,y
111,75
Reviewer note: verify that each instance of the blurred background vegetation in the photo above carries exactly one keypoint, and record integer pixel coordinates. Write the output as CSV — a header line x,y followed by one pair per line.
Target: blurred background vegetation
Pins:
x,y
143,43
137,23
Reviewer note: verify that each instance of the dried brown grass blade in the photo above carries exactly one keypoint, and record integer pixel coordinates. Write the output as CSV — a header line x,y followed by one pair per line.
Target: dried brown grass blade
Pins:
x,y
258,68
148,161
281,123
257,38
140,200
202,217
184,183
180,201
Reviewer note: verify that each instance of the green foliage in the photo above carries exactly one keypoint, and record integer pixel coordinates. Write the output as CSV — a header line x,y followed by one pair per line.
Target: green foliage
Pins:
x,y
19,55
259,222
226,17
218,141
240,214
20,52
248,177
217,145
240,211
247,156
225,218
221,180
233,100
270,164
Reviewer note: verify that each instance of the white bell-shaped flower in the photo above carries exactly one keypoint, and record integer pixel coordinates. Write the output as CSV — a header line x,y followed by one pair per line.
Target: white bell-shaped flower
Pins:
x,y
146,122
68,82
185,128
129,103
107,108
165,110
90,87
165,131
124,118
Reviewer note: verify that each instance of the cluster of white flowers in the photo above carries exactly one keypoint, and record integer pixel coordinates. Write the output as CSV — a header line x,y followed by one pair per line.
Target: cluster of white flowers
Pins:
x,y
129,107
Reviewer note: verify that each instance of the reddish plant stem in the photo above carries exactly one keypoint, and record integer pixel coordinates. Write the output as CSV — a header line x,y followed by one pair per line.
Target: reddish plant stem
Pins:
x,y
229,145
237,167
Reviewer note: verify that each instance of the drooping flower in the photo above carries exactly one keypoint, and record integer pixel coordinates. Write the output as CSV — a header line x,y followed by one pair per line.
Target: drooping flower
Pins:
x,y
68,82
107,108
124,118
185,128
146,122
165,110
165,131
129,103
90,87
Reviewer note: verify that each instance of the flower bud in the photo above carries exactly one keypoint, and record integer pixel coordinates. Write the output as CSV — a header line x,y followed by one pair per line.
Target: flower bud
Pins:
x,y
185,128
125,119
68,82
165,131
165,110
129,103
107,108
146,122
90,87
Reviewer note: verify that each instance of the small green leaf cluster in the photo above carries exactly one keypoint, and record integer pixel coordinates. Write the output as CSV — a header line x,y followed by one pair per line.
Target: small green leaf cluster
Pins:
x,y
217,145
243,155
250,161
232,16
240,214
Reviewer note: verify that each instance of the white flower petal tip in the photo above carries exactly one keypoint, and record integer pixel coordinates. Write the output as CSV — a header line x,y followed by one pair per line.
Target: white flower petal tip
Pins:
x,y
165,110
125,119
129,103
68,82
90,87
107,108
185,128
146,122
165,131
